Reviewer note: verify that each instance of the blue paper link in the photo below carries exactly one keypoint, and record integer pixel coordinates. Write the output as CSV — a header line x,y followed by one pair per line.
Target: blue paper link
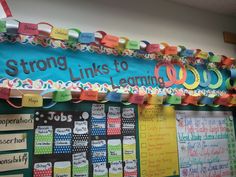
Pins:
x,y
207,100
113,96
86,38
187,53
233,73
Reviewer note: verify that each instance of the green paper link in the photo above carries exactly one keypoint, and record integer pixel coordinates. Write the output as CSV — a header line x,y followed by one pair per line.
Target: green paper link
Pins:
x,y
3,27
62,96
215,58
133,45
173,99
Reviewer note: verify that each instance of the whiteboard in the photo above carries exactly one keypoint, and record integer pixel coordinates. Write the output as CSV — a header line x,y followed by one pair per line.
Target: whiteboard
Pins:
x,y
206,143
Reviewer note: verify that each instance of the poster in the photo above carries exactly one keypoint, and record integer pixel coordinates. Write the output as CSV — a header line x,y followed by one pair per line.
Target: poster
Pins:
x,y
157,139
99,143
206,143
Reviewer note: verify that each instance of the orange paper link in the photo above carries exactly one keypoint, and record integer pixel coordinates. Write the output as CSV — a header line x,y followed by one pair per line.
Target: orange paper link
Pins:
x,y
110,41
170,50
89,95
189,99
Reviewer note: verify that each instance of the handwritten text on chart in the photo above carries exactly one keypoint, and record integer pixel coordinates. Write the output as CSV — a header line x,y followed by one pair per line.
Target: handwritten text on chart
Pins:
x,y
203,145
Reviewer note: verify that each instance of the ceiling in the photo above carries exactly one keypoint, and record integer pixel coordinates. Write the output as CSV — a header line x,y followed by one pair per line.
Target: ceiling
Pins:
x,y
227,7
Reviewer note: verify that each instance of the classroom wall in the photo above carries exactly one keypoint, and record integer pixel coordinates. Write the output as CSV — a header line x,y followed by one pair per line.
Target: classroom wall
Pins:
x,y
155,21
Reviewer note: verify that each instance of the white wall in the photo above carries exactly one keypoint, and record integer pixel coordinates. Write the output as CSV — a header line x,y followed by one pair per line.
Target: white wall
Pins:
x,y
153,20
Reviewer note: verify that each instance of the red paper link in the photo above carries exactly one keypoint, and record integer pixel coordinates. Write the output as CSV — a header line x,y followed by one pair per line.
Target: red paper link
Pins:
x,y
28,29
189,99
6,8
89,95
171,50
136,99
227,62
110,41
5,93
223,100
153,48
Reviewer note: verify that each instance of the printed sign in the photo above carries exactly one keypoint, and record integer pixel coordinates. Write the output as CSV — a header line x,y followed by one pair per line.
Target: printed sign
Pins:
x,y
14,161
16,122
10,142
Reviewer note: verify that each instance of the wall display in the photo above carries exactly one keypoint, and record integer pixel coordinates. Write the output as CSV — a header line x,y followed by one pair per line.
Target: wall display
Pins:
x,y
157,140
206,142
86,143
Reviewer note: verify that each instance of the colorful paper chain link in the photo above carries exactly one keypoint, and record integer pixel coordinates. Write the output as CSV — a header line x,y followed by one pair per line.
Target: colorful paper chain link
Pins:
x,y
64,95
46,33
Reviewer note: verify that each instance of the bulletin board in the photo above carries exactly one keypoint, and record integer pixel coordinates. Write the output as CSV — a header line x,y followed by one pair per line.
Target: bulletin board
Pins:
x,y
110,106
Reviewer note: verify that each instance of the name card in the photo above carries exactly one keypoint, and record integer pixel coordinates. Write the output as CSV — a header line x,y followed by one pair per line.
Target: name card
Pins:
x,y
32,100
89,95
28,29
5,93
114,96
203,55
133,45
153,48
3,28
110,41
187,53
14,161
10,142
155,99
86,38
136,99
171,50
16,122
62,96
59,33
173,99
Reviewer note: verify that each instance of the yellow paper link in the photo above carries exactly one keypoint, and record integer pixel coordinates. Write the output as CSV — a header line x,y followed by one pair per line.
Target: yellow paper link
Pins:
x,y
233,101
203,55
158,144
32,100
196,82
60,33
155,99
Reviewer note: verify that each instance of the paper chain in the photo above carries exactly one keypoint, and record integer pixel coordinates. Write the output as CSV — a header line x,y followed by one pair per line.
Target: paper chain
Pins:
x,y
64,95
46,33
